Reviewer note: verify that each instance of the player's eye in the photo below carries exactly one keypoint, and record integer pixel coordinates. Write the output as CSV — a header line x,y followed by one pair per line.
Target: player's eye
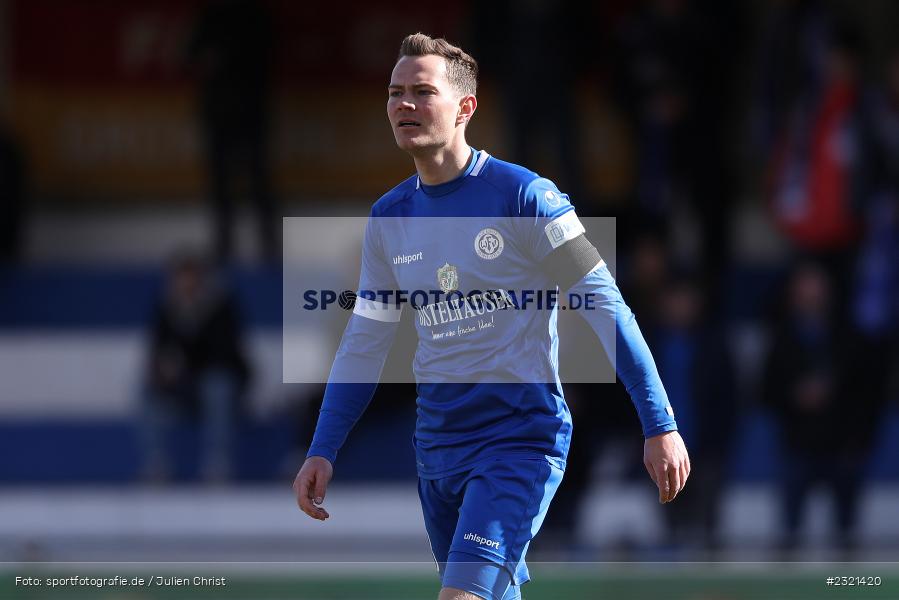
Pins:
x,y
394,93
426,92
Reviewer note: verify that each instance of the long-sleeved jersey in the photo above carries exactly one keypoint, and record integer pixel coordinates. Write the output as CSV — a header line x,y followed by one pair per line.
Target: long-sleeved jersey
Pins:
x,y
468,258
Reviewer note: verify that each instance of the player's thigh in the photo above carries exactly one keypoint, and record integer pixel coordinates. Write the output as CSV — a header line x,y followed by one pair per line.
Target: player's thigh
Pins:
x,y
504,505
440,509
468,576
456,594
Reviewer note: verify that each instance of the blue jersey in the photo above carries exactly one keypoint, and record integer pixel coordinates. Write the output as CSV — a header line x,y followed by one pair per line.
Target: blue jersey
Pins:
x,y
463,256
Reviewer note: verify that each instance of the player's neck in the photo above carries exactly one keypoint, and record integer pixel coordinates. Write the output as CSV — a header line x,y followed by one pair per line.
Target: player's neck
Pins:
x,y
444,164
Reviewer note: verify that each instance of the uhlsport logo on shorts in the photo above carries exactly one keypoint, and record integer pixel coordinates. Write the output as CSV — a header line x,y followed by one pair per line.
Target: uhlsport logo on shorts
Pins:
x,y
488,243
481,540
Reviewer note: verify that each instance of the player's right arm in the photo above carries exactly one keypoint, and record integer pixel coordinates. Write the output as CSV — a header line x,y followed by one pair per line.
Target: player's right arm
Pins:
x,y
354,374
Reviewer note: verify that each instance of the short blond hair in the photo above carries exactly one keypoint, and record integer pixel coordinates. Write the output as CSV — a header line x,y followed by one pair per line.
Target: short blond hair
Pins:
x,y
461,68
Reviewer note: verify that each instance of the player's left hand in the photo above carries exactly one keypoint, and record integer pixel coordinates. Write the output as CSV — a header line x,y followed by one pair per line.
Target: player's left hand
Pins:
x,y
668,463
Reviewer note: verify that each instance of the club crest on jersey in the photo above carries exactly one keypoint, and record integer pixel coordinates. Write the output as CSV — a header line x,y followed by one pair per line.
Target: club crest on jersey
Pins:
x,y
488,244
448,278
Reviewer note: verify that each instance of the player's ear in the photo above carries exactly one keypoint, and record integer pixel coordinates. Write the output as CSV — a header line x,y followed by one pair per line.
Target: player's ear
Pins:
x,y
467,105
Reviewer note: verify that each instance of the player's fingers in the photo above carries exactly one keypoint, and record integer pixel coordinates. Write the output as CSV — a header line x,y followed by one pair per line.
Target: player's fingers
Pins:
x,y
684,473
651,470
303,487
674,481
662,482
321,488
313,496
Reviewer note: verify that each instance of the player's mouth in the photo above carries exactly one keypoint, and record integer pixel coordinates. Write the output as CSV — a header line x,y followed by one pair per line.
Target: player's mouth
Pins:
x,y
408,123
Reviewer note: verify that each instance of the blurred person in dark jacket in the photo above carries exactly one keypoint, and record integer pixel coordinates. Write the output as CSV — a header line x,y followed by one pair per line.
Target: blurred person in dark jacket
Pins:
x,y
231,50
791,39
805,386
647,271
12,194
673,80
693,356
874,301
196,371
527,48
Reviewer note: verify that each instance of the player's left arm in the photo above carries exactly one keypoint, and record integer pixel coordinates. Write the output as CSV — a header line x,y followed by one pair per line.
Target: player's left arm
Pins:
x,y
559,245
577,268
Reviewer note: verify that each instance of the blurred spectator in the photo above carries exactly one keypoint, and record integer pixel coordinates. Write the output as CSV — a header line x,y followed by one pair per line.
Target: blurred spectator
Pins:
x,y
817,165
874,303
647,268
672,74
876,307
804,386
695,363
232,50
197,370
539,41
792,43
12,195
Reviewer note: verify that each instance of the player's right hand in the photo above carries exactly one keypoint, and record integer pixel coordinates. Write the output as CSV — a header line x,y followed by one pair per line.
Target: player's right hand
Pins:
x,y
311,485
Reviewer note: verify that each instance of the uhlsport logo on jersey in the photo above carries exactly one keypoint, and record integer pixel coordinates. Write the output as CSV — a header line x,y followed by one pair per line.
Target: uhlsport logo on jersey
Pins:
x,y
552,199
448,278
481,540
488,243
405,259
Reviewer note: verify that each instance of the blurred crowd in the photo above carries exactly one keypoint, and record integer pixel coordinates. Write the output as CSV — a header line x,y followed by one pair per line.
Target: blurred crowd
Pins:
x,y
797,118
801,117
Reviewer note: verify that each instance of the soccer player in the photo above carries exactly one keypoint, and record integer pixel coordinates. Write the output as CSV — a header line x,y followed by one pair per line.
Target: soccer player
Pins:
x,y
493,429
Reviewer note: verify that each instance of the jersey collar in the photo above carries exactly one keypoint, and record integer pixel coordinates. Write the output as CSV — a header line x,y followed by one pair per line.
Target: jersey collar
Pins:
x,y
475,166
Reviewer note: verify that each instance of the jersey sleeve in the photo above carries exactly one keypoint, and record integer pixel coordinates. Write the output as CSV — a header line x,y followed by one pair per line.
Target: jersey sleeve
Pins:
x,y
615,325
376,276
362,351
549,219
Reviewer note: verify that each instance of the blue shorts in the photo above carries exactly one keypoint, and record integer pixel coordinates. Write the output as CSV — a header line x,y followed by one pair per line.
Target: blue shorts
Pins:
x,y
480,522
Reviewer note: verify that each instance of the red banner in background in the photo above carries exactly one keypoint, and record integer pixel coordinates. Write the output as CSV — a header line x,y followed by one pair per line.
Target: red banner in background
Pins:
x,y
103,96
99,43
145,42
